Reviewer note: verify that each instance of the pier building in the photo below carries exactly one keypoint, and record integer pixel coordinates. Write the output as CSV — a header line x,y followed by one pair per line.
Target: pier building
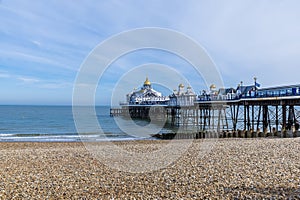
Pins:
x,y
182,97
146,95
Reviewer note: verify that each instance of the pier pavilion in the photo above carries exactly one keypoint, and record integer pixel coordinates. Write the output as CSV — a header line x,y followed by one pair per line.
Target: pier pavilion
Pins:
x,y
146,96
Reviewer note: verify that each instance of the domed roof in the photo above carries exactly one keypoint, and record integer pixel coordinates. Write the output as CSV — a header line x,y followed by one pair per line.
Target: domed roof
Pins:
x,y
181,85
213,86
147,82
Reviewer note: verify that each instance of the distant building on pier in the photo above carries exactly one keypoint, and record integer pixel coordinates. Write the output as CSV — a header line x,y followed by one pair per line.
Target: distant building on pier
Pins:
x,y
146,95
182,97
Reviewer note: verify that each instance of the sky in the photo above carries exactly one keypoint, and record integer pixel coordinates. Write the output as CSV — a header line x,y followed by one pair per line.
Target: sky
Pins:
x,y
44,44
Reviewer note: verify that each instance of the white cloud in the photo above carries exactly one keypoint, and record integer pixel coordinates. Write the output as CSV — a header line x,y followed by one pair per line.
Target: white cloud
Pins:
x,y
55,85
28,80
43,83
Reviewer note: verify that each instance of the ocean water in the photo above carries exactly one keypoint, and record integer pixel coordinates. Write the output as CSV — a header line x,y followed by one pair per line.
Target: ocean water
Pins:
x,y
56,123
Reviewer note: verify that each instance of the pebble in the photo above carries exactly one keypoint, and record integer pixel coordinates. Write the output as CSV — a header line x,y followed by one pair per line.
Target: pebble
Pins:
x,y
234,169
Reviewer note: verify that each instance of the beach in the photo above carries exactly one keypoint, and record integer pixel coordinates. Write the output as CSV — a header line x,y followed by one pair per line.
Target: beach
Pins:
x,y
233,168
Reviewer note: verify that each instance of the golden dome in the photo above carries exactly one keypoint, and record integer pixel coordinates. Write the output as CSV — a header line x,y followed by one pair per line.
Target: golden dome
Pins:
x,y
181,85
147,82
213,86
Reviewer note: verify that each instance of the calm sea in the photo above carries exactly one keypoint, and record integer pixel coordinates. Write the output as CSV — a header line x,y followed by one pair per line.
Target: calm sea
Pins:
x,y
55,123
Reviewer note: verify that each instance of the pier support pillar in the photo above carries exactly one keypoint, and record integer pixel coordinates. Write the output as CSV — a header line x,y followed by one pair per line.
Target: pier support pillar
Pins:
x,y
276,116
283,117
245,117
265,118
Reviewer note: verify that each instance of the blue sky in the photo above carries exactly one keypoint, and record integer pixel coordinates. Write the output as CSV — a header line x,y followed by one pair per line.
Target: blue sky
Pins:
x,y
43,43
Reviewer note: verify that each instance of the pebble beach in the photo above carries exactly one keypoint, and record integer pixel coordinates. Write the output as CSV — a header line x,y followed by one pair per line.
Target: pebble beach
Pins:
x,y
235,168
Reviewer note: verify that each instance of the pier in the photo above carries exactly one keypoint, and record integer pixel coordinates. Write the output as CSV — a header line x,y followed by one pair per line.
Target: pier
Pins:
x,y
253,111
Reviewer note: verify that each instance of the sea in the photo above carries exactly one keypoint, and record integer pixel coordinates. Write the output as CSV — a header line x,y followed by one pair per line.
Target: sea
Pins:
x,y
56,124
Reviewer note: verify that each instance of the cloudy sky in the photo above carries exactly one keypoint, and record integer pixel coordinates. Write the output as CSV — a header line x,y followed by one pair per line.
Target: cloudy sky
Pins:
x,y
44,43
